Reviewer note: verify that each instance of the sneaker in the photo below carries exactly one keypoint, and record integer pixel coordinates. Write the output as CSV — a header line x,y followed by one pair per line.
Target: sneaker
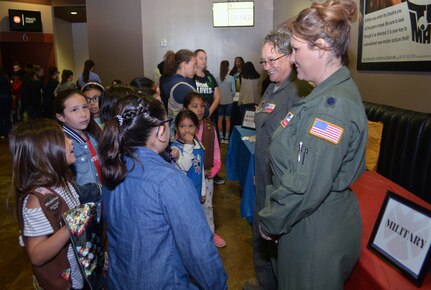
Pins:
x,y
250,284
218,180
226,140
223,141
218,241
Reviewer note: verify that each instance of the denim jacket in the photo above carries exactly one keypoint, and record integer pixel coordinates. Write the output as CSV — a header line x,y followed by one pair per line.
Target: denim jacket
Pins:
x,y
157,232
83,168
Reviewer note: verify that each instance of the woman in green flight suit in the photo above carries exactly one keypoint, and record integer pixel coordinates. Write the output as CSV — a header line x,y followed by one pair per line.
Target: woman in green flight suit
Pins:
x,y
316,153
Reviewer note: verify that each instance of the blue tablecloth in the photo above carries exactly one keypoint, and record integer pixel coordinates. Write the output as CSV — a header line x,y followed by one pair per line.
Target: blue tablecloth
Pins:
x,y
240,166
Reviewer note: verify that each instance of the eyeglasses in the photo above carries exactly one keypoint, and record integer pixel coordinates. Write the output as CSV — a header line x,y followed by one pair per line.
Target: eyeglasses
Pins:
x,y
160,131
168,120
93,99
271,61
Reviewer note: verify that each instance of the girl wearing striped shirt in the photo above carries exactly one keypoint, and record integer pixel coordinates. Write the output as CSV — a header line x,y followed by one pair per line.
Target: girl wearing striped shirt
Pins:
x,y
42,182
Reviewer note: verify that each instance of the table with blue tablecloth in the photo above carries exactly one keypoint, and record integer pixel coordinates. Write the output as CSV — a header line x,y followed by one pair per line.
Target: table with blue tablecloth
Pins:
x,y
240,166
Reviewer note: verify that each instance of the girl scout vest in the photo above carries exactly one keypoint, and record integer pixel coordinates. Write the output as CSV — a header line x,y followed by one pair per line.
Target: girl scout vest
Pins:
x,y
55,273
208,139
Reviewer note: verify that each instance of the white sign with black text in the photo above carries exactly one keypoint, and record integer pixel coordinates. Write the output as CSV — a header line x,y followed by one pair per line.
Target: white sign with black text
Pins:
x,y
248,121
402,236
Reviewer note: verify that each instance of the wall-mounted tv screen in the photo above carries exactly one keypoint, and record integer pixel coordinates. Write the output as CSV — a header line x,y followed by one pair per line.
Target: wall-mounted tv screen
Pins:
x,y
233,14
23,20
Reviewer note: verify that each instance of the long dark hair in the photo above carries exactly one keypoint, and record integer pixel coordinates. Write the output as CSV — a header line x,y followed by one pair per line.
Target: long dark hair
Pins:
x,y
135,118
111,96
88,64
190,96
59,107
249,72
234,70
65,75
224,69
38,157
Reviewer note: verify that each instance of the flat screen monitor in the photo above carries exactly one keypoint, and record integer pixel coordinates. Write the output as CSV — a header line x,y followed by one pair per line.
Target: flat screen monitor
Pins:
x,y
23,20
233,14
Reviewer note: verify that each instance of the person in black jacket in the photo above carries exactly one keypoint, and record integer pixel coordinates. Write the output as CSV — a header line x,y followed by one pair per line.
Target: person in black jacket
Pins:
x,y
48,93
5,105
31,94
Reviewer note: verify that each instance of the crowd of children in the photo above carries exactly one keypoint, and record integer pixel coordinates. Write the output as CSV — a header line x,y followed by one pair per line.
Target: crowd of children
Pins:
x,y
121,146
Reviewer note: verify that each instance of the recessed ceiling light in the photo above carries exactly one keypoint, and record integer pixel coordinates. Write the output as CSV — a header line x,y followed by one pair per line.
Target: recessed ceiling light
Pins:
x,y
74,13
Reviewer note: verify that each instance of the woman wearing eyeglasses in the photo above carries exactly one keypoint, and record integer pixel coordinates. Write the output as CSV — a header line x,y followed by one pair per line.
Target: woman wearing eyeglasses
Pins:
x,y
157,232
316,153
285,89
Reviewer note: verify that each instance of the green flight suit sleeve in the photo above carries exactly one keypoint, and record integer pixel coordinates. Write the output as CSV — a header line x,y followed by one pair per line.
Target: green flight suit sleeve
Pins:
x,y
304,183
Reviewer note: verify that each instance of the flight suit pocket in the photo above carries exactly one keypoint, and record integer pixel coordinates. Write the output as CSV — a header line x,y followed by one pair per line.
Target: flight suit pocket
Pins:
x,y
298,179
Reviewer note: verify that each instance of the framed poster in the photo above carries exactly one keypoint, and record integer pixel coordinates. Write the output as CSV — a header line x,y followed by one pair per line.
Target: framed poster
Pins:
x,y
402,237
395,35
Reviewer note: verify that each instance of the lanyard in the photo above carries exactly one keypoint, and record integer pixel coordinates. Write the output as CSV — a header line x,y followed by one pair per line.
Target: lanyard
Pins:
x,y
94,158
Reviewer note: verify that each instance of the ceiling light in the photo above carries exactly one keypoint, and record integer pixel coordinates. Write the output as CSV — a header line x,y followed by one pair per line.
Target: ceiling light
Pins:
x,y
73,13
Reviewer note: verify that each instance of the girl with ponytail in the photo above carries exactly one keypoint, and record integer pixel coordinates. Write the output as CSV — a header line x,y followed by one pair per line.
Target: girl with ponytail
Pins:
x,y
157,232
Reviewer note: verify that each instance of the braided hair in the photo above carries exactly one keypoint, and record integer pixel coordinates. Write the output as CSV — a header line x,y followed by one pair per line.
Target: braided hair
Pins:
x,y
135,117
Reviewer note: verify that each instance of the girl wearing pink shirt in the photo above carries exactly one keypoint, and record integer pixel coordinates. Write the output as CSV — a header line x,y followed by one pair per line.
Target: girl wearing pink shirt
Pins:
x,y
207,135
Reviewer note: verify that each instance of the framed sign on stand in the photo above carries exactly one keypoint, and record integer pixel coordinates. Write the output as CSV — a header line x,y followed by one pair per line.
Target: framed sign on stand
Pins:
x,y
402,237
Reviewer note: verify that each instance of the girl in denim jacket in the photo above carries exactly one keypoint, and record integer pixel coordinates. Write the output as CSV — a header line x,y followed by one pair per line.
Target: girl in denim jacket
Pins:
x,y
157,233
73,111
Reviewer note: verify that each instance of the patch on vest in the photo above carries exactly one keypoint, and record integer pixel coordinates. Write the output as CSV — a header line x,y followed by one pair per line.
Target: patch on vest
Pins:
x,y
52,202
65,275
42,190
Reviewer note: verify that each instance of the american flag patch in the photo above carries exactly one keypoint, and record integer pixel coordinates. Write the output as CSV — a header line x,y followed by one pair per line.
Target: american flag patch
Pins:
x,y
326,131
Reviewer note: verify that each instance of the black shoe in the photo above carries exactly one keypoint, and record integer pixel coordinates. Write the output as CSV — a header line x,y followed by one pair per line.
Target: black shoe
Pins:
x,y
218,180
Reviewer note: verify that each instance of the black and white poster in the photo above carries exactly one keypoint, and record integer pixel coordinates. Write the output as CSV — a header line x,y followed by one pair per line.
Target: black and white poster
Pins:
x,y
395,35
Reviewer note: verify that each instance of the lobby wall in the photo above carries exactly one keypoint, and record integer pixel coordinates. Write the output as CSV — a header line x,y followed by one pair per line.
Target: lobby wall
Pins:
x,y
115,38
64,45
188,24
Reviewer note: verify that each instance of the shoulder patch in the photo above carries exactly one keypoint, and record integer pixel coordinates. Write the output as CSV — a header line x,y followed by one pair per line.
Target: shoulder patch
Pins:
x,y
269,107
260,107
286,119
326,131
